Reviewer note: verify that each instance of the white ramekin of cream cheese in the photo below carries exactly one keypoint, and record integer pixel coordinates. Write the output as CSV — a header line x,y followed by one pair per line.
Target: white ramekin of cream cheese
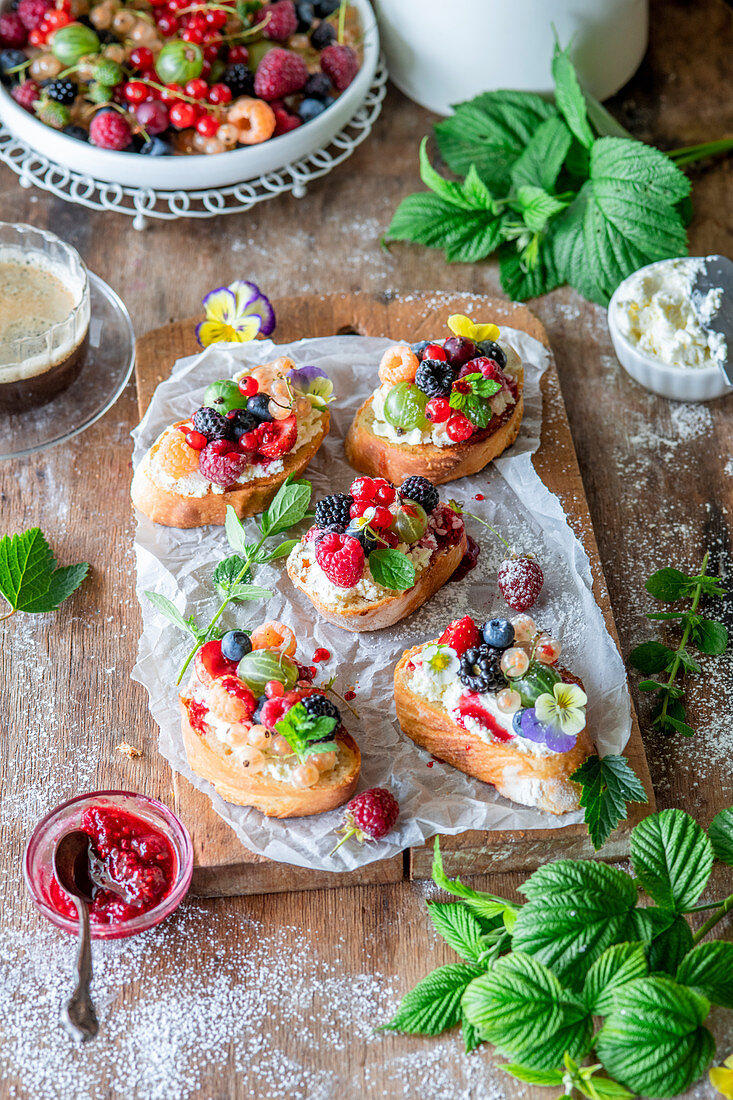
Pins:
x,y
658,335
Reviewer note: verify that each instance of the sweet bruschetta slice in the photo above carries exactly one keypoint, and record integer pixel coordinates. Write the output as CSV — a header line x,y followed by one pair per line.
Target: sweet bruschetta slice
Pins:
x,y
255,727
493,702
251,433
378,552
443,410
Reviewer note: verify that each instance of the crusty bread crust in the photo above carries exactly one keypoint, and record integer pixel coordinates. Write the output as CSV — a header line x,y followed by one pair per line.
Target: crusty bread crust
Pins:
x,y
377,457
541,781
209,759
387,611
173,510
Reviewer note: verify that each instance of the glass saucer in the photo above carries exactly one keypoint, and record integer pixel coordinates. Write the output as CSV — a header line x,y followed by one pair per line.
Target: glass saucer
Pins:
x,y
106,366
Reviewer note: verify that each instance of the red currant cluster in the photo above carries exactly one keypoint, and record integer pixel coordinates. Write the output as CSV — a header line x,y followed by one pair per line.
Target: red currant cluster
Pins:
x,y
53,19
192,23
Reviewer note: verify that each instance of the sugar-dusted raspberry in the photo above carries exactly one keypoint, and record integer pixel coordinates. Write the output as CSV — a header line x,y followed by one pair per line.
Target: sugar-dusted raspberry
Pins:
x,y
461,634
341,557
110,130
26,94
341,64
221,469
370,816
32,12
280,73
13,31
280,20
520,581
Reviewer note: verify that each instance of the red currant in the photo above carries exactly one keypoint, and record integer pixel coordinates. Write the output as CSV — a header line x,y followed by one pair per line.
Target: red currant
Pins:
x,y
459,428
274,689
220,93
222,447
211,50
382,517
384,491
197,89
37,37
358,508
216,18
248,386
249,442
135,91
183,115
53,20
192,34
196,440
238,55
435,351
167,25
363,489
207,125
142,58
438,410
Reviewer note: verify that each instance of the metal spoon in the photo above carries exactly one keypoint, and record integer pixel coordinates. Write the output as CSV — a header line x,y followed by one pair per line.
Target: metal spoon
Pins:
x,y
71,867
717,272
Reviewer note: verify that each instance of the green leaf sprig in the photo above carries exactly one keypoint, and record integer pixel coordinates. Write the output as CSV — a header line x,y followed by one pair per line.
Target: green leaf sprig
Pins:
x,y
232,577
561,191
470,395
536,978
709,637
608,784
30,579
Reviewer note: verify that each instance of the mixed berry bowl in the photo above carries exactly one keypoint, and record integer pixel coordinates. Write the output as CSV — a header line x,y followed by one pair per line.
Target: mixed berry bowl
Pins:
x,y
137,842
216,108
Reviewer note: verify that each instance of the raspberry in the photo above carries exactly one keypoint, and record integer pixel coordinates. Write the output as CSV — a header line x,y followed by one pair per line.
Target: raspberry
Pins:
x,y
282,21
280,73
435,378
277,437
32,12
110,130
489,368
334,509
13,31
211,424
370,816
320,706
421,491
26,94
480,671
341,64
461,634
239,79
284,121
520,582
341,558
222,469
492,351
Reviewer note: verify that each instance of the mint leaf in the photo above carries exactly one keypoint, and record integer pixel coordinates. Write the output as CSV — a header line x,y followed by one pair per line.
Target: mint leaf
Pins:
x,y
282,550
569,96
392,569
466,236
543,156
672,858
475,408
710,637
617,965
669,584
574,912
458,927
490,132
720,833
708,968
435,1002
650,685
550,1078
480,386
520,1007
653,1040
480,903
307,733
169,611
235,532
30,579
651,657
227,573
608,783
288,507
687,661
670,944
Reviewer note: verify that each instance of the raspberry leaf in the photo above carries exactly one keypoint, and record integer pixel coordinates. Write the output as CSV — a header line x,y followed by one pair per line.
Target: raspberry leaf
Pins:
x,y
392,569
484,905
607,784
708,968
670,943
466,236
30,579
569,96
549,1078
672,858
617,965
543,156
435,1002
471,1037
529,274
720,833
459,928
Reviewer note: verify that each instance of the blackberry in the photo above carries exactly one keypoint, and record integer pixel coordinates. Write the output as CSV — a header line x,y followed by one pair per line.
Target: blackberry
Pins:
x,y
435,378
334,509
211,424
421,491
318,86
323,35
320,707
12,59
240,421
259,407
480,669
76,132
62,91
238,79
492,351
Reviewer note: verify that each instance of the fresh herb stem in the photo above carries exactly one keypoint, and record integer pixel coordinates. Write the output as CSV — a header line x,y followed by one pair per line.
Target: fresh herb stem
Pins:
x,y
689,154
462,511
724,908
674,669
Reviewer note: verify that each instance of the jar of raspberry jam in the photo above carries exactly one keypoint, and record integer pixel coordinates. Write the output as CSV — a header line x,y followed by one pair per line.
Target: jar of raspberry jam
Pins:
x,y
142,846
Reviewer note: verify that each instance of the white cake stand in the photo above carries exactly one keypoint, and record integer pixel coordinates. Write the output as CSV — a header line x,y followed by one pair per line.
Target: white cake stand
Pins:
x,y
33,169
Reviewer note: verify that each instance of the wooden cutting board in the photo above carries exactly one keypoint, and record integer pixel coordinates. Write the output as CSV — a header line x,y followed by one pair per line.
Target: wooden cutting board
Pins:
x,y
222,865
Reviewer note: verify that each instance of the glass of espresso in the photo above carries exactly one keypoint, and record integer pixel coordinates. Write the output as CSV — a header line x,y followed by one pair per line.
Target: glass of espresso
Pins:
x,y
44,315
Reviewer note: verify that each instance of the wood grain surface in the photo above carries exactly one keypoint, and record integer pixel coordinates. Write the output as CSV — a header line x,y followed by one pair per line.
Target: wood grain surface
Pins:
x,y
658,483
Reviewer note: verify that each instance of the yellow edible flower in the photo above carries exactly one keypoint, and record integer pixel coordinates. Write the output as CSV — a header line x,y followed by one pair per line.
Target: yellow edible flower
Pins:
x,y
464,326
721,1078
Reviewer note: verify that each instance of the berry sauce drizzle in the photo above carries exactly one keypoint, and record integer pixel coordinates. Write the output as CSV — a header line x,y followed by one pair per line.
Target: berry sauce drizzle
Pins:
x,y
468,561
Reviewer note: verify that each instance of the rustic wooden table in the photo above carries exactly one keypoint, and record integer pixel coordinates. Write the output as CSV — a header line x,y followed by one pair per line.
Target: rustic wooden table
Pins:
x,y
276,996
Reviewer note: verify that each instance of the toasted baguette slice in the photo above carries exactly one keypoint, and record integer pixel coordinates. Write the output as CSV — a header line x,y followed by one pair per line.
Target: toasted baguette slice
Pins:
x,y
213,762
173,510
541,781
377,615
378,457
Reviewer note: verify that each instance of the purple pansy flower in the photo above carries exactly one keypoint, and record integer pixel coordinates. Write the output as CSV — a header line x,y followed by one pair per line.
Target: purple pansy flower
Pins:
x,y
543,733
313,384
235,314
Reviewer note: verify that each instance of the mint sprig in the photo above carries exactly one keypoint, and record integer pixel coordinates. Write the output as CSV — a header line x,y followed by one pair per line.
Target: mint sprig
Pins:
x,y
233,575
589,967
561,191
392,569
307,733
709,637
30,579
474,402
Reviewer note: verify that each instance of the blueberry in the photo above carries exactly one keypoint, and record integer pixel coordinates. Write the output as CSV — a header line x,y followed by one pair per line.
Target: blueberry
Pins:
x,y
306,13
76,132
498,633
492,351
261,700
323,35
311,108
11,59
326,7
419,348
235,645
318,86
156,147
259,406
517,723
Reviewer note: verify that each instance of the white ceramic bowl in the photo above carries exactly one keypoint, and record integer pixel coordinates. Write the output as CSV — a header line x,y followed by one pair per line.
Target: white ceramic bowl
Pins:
x,y
190,173
676,383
